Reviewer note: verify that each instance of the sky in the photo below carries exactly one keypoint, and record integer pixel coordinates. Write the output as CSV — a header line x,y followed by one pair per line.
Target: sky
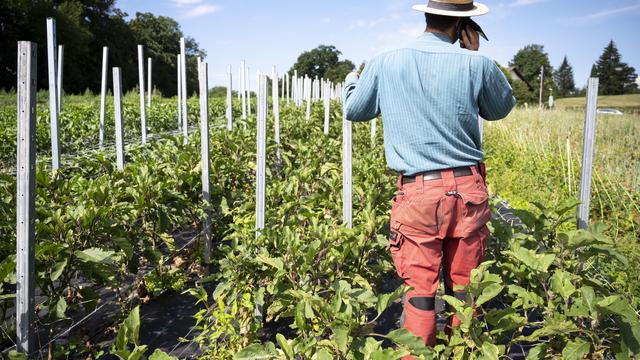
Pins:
x,y
274,32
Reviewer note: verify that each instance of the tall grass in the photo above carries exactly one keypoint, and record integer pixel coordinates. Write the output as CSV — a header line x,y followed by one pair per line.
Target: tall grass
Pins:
x,y
536,156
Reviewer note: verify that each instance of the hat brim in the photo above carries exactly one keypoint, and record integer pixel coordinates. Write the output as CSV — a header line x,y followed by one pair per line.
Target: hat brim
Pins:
x,y
478,9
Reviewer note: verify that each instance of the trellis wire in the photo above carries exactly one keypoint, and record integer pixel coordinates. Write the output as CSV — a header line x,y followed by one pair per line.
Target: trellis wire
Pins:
x,y
86,317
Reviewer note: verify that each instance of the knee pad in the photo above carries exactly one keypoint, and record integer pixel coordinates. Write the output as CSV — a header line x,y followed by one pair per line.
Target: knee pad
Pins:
x,y
423,303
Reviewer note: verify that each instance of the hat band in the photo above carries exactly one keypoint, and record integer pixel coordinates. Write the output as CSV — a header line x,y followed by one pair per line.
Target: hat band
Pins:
x,y
451,7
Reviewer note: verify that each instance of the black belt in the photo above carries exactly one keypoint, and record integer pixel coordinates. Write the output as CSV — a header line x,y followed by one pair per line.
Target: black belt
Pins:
x,y
437,175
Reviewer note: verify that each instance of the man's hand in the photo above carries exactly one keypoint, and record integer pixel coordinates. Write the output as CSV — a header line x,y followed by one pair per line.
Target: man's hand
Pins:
x,y
470,39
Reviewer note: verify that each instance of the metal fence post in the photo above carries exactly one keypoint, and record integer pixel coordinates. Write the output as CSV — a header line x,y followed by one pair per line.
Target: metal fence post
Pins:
x,y
261,156
275,98
587,152
229,99
179,68
143,114
243,90
204,146
347,184
149,88
327,110
183,73
103,93
308,96
117,111
247,87
25,197
60,60
53,93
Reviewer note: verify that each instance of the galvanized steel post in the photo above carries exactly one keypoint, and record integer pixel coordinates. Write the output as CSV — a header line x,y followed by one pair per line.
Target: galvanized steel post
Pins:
x,y
149,87
103,93
60,60
587,152
25,198
53,93
229,99
204,146
261,152
143,114
117,111
183,73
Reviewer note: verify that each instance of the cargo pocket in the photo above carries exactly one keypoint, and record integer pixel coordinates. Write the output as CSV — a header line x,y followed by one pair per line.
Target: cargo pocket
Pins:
x,y
396,240
420,212
476,211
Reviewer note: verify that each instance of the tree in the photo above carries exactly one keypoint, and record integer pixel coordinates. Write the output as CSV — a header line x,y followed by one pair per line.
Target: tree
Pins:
x,y
322,62
564,81
84,27
529,61
616,77
161,37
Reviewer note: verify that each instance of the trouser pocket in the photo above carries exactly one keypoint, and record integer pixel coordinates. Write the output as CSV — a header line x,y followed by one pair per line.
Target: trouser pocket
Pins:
x,y
396,242
476,211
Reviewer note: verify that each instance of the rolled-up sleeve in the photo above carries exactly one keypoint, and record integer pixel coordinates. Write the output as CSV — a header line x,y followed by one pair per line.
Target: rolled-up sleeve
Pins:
x,y
496,98
361,97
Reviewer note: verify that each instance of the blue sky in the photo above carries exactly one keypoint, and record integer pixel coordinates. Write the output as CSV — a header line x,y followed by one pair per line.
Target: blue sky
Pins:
x,y
275,32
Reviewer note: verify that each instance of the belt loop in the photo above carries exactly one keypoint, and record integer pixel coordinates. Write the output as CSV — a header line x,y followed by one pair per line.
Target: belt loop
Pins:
x,y
420,183
400,180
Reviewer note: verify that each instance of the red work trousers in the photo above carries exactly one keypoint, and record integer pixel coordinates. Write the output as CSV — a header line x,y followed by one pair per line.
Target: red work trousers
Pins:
x,y
437,223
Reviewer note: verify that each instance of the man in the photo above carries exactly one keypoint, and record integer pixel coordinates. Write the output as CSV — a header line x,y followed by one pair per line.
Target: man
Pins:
x,y
430,94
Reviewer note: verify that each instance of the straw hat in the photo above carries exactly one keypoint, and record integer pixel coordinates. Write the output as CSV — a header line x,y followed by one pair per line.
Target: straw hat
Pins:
x,y
458,8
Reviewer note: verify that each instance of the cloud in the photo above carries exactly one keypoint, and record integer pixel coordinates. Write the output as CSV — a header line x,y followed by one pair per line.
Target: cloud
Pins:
x,y
526,2
609,12
360,23
181,3
201,10
392,39
326,20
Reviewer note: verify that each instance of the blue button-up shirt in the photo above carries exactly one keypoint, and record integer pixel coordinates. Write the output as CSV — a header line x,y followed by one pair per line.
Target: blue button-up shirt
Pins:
x,y
430,94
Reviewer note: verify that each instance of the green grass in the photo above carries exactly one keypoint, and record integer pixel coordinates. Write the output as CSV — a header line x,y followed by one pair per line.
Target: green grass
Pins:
x,y
535,156
625,103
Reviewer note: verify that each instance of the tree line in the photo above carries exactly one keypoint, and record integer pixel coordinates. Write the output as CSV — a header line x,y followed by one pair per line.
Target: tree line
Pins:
x,y
84,27
616,77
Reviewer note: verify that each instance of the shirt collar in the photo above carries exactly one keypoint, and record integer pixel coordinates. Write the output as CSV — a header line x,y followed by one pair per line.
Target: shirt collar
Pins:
x,y
434,37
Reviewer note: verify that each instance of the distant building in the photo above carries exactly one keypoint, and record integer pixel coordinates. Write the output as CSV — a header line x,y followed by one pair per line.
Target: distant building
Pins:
x,y
516,75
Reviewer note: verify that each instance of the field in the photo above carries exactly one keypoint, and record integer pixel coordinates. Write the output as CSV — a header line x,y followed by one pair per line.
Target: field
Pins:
x,y
626,103
307,287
